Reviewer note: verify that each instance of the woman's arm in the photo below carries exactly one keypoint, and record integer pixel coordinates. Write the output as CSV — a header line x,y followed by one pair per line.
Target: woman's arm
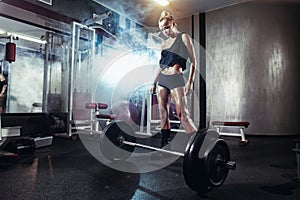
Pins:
x,y
153,86
3,90
191,50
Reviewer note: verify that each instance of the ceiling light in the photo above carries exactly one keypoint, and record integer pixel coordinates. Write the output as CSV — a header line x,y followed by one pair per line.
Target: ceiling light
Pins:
x,y
163,2
2,31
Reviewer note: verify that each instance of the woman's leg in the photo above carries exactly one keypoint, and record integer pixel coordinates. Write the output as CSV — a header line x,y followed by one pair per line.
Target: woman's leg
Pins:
x,y
163,97
182,110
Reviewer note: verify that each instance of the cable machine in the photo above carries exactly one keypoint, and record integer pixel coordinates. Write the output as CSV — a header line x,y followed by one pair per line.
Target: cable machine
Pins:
x,y
54,91
80,75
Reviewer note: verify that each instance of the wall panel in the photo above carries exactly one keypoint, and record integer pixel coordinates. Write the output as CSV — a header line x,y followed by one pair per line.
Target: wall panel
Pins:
x,y
254,67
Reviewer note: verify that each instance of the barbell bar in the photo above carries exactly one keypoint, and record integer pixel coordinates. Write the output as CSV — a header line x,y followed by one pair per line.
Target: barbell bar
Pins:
x,y
151,148
219,161
201,172
229,164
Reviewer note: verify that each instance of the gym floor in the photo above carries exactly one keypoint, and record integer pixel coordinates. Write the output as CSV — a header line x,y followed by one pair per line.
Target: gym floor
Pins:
x,y
66,170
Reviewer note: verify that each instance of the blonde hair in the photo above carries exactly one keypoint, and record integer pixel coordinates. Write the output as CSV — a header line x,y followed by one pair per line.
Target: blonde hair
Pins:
x,y
165,15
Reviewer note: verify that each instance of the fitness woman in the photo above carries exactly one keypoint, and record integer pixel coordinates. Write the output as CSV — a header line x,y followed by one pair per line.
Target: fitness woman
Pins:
x,y
169,81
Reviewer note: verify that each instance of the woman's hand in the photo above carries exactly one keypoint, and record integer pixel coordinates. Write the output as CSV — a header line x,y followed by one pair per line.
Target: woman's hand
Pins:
x,y
153,89
188,89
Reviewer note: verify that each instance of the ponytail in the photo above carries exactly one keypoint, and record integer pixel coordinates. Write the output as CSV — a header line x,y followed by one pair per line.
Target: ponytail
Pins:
x,y
165,15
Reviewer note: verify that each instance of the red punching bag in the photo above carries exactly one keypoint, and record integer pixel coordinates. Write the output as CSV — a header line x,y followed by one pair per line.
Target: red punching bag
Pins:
x,y
10,52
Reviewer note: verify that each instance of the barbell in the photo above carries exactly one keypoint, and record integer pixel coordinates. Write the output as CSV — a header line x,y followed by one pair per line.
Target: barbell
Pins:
x,y
206,160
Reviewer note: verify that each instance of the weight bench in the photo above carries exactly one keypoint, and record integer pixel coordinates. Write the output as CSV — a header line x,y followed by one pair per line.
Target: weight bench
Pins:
x,y
100,116
241,125
92,124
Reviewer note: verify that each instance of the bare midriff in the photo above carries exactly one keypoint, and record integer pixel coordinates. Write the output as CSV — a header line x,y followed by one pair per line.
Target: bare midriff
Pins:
x,y
175,69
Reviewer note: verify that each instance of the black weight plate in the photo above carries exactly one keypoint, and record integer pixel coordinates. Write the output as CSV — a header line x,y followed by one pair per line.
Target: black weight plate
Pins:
x,y
217,170
194,168
110,144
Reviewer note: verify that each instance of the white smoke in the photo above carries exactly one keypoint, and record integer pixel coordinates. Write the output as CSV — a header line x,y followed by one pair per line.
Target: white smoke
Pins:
x,y
26,83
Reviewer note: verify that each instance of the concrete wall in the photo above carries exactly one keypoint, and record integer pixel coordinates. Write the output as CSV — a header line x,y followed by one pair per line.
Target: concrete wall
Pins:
x,y
253,66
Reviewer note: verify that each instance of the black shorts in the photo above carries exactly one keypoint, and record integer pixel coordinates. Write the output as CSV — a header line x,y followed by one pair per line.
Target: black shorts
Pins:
x,y
171,81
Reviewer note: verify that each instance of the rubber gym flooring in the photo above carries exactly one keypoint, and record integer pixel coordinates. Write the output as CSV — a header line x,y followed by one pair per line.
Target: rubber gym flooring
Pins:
x,y
66,170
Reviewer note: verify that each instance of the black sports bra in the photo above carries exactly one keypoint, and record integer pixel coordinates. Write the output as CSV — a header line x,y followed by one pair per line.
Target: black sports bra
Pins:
x,y
176,54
